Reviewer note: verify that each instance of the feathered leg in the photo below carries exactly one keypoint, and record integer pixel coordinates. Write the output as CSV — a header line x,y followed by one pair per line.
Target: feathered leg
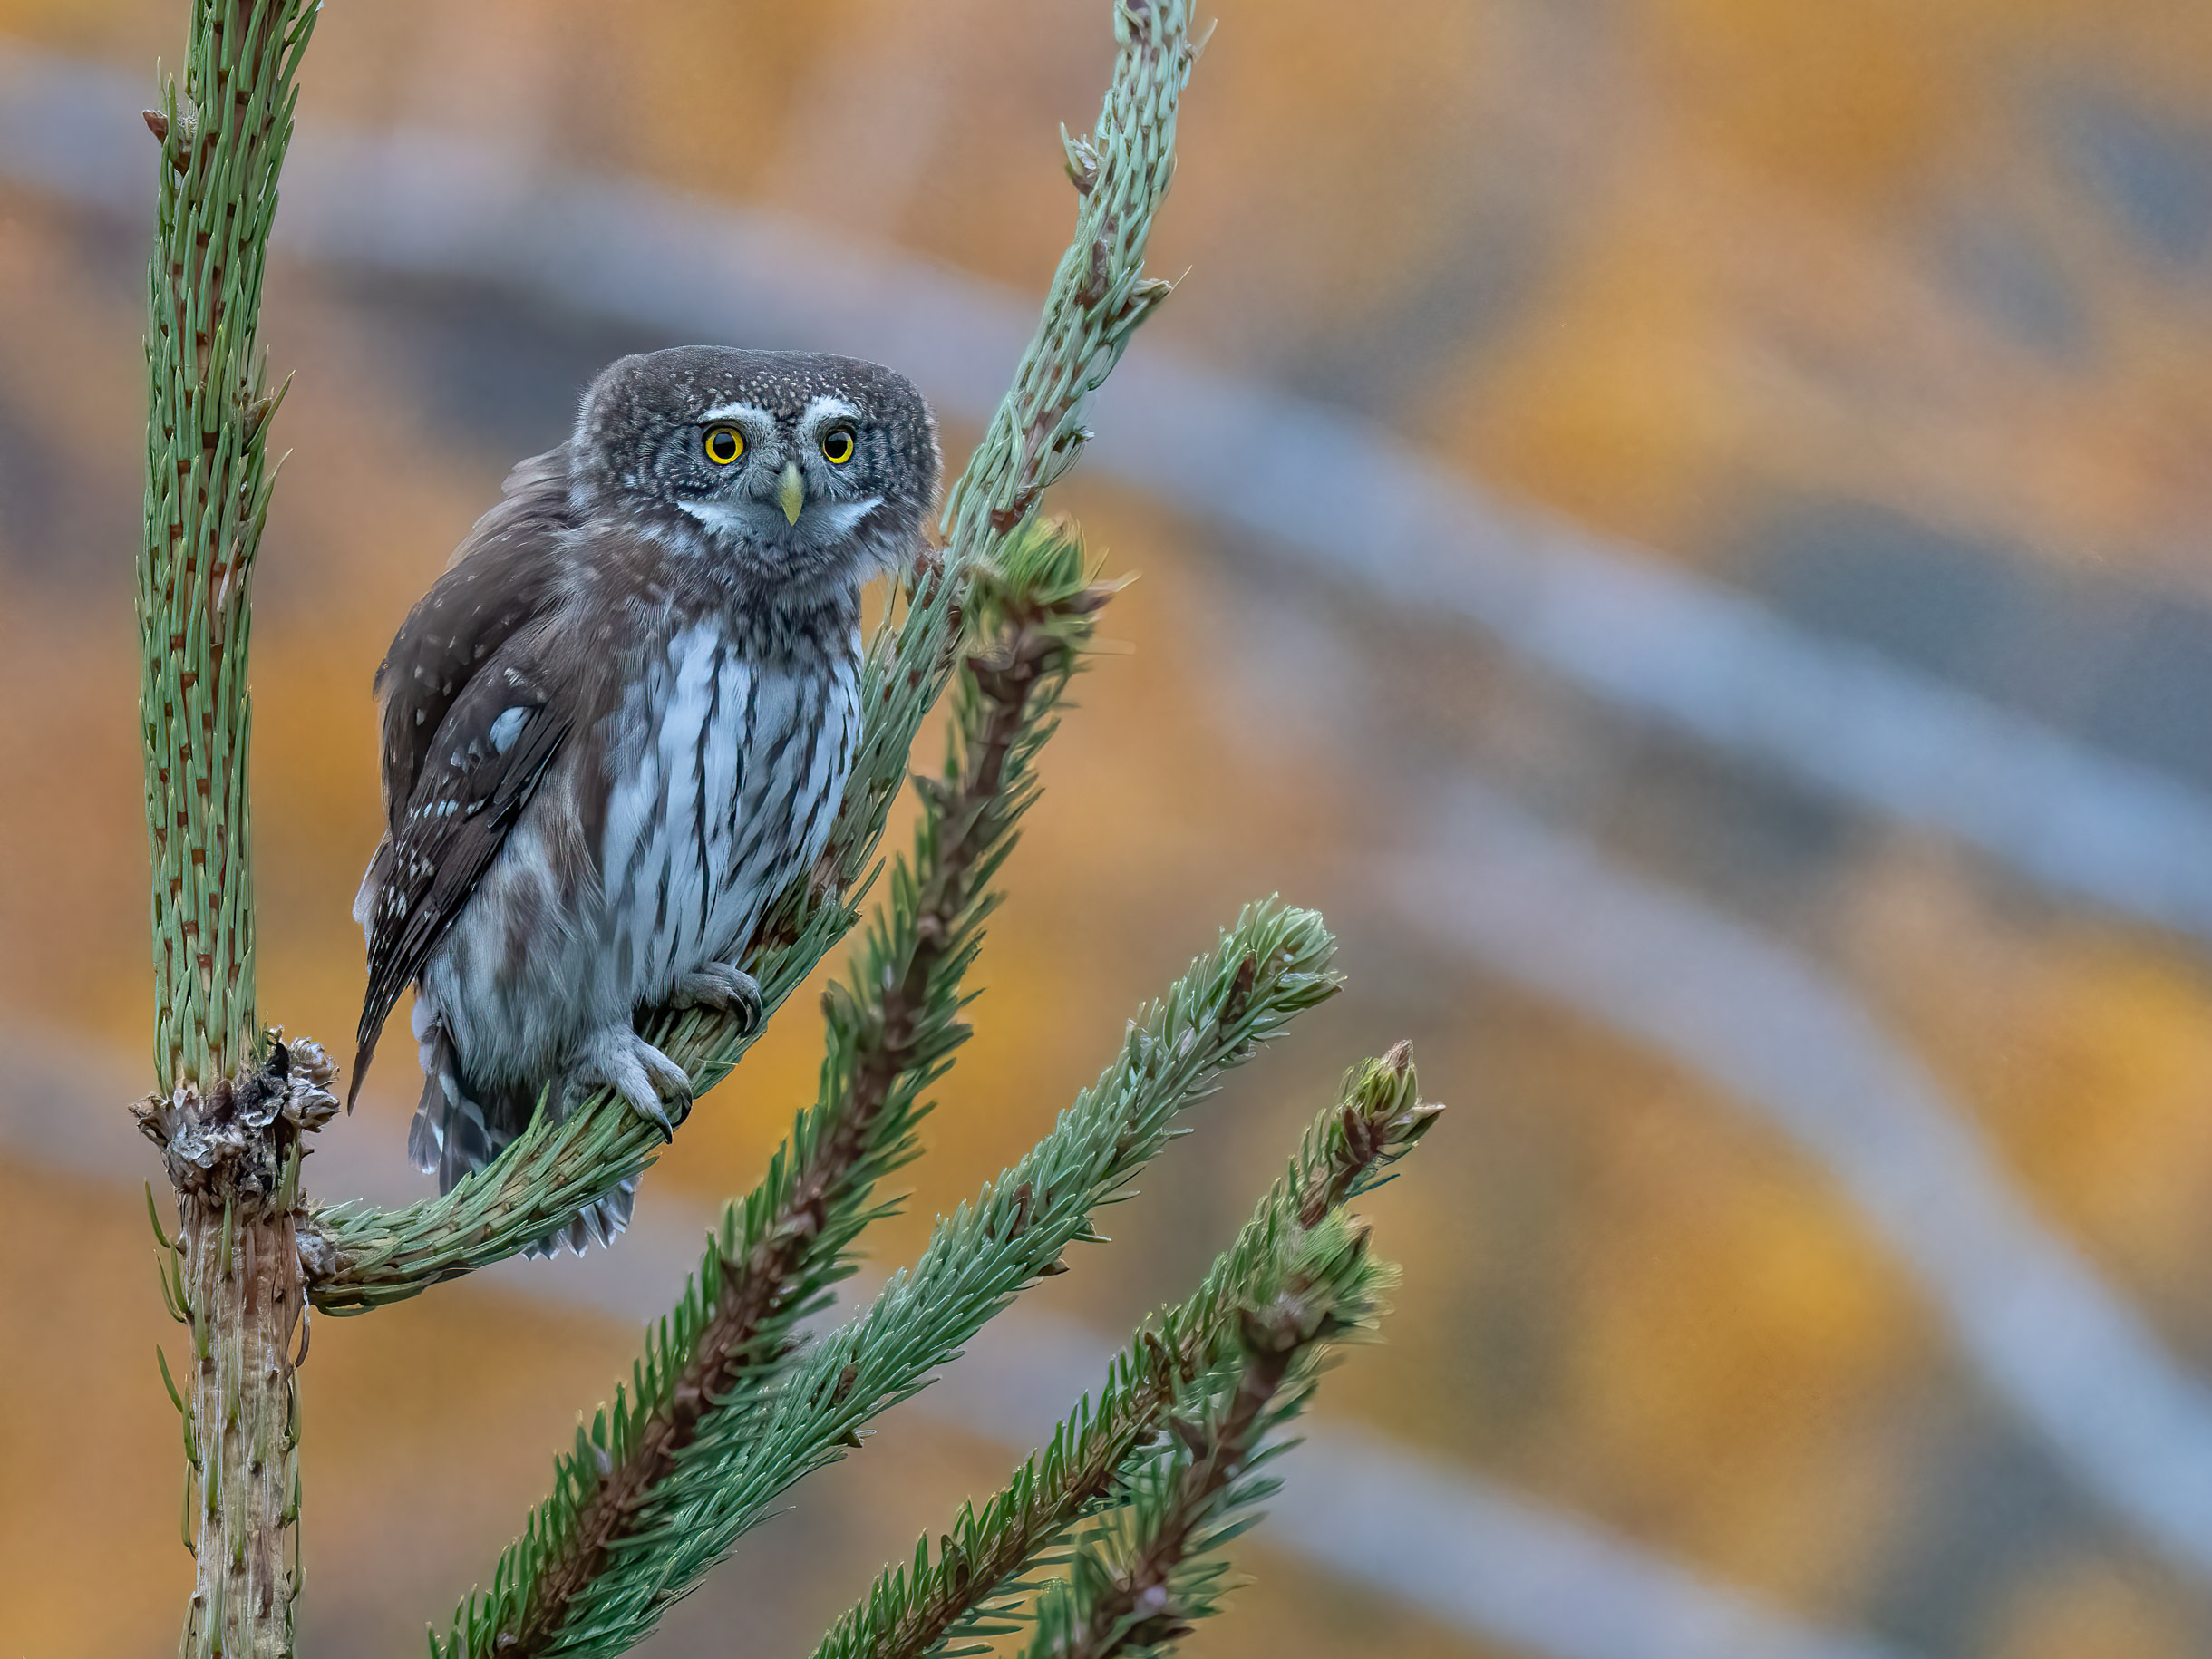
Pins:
x,y
458,1129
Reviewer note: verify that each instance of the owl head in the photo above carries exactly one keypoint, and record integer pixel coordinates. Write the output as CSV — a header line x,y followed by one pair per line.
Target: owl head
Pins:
x,y
796,468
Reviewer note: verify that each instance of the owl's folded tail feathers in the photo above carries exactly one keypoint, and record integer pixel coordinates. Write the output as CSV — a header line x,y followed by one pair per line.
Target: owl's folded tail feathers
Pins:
x,y
459,1129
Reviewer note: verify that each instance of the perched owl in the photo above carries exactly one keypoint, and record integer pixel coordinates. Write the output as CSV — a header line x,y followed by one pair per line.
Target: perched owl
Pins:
x,y
620,723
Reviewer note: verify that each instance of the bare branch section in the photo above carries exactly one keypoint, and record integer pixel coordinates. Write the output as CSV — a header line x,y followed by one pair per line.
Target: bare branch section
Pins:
x,y
360,1256
893,1028
981,1563
232,1278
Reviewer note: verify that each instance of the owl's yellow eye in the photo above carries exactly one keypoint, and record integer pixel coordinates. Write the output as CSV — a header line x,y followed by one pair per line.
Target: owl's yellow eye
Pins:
x,y
724,444
836,445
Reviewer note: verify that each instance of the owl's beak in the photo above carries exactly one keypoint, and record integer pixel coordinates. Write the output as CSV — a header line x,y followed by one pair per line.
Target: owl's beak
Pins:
x,y
790,492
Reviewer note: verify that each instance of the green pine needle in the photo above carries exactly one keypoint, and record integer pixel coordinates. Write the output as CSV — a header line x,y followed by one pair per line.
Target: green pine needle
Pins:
x,y
987,1559
1147,1570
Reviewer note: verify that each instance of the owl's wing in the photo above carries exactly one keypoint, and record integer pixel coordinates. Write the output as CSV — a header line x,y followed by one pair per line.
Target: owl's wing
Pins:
x,y
468,728
482,766
500,579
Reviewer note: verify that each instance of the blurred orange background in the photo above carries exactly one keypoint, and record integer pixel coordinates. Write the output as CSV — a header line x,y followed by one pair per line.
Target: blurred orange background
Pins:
x,y
1890,321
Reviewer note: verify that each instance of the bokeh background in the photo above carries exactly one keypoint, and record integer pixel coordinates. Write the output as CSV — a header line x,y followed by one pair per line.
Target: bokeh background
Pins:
x,y
1681,524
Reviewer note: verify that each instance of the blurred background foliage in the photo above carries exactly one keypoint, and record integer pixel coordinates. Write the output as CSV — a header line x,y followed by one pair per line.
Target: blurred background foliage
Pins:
x,y
1894,316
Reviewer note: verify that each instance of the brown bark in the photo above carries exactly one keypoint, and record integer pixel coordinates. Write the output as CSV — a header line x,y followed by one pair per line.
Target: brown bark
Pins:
x,y
233,1156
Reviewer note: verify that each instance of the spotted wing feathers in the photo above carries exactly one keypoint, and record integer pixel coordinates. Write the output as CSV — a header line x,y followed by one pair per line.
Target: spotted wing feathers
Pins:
x,y
469,726
490,753
500,579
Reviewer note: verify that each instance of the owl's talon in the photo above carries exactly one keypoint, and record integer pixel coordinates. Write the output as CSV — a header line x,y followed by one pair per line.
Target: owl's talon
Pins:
x,y
724,987
616,1057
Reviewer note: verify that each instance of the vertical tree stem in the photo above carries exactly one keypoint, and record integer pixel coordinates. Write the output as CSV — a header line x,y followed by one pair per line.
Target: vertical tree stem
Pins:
x,y
232,1152
243,1400
233,1155
222,138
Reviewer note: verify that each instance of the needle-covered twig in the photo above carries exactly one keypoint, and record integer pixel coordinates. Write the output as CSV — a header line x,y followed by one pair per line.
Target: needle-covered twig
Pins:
x,y
961,1590
1272,966
1148,1570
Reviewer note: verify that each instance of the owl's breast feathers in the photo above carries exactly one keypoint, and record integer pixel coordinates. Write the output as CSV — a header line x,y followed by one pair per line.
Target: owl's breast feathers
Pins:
x,y
685,753
728,759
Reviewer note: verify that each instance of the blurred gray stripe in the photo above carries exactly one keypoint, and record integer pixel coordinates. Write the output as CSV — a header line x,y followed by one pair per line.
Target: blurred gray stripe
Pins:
x,y
2071,1358
1469,1554
1480,1557
1318,487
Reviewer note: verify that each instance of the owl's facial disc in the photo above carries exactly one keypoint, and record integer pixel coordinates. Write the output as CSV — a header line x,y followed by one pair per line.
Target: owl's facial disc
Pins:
x,y
791,470
790,490
780,512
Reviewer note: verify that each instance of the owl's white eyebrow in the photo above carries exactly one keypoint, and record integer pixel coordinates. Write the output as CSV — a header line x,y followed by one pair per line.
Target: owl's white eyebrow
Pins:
x,y
732,412
826,405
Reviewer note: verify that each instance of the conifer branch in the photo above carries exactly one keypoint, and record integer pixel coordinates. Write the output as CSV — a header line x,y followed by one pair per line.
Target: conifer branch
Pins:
x,y
1145,1573
359,1257
982,1562
771,1431
228,1111
893,1027
221,140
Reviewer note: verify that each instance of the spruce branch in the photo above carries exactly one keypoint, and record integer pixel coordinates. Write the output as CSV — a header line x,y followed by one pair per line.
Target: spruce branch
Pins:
x,y
893,1028
982,1562
1146,1571
359,1257
774,1428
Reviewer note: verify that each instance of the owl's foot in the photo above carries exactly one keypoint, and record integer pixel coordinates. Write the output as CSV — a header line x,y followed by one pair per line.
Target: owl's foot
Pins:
x,y
616,1057
724,987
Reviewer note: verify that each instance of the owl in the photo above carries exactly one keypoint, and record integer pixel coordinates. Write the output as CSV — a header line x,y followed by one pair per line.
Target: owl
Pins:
x,y
620,723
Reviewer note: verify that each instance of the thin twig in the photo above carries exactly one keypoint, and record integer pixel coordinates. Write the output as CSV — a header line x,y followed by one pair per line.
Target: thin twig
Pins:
x,y
1137,1610
908,1613
1146,1571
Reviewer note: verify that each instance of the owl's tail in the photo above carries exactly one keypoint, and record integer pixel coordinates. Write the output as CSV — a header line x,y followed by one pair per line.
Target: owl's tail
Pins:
x,y
459,1127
